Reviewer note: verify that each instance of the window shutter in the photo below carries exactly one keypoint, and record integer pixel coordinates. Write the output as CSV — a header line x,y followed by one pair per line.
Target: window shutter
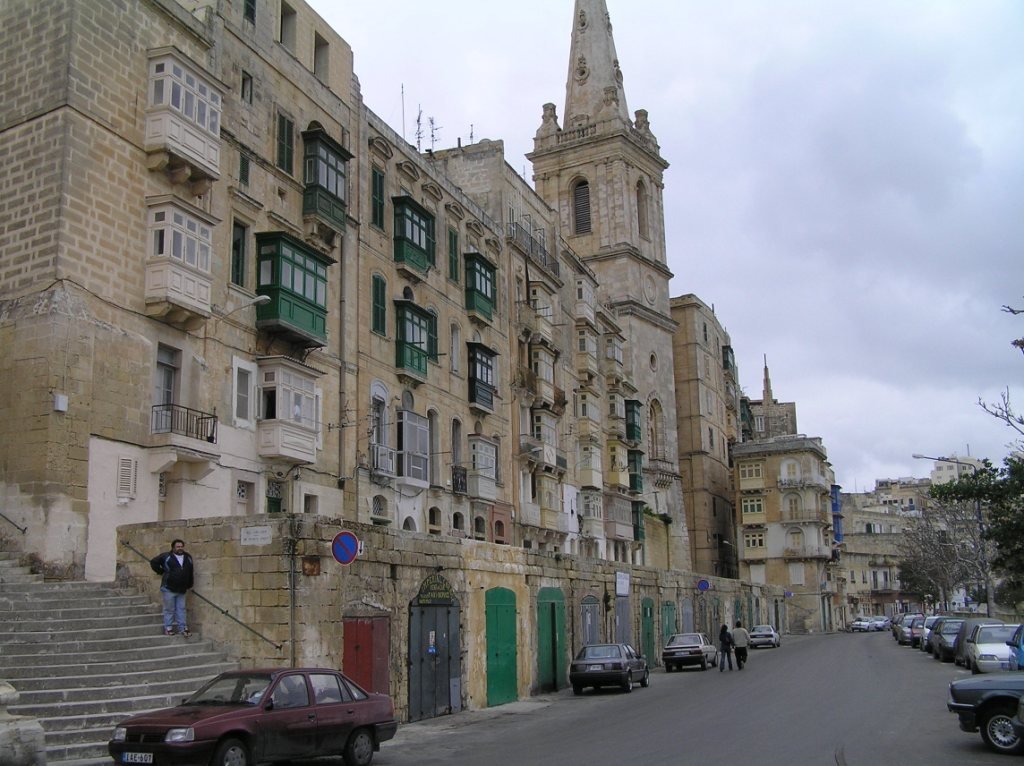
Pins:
x,y
127,476
581,207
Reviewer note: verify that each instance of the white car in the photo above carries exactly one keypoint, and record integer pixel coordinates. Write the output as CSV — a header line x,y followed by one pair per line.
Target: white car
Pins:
x,y
764,635
986,650
861,625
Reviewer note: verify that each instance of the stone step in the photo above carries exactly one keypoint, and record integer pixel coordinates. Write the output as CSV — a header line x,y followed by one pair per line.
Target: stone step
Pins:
x,y
13,577
49,643
84,622
122,679
69,608
64,588
160,652
124,706
90,752
93,722
178,687
131,663
93,761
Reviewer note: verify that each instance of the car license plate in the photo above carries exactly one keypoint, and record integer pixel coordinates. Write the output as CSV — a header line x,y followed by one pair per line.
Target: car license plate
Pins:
x,y
596,667
136,758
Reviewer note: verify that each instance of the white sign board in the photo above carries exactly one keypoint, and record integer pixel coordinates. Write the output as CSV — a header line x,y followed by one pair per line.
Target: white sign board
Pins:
x,y
622,583
256,536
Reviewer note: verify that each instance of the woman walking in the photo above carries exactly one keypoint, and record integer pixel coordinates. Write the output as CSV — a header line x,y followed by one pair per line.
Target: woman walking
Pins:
x,y
724,648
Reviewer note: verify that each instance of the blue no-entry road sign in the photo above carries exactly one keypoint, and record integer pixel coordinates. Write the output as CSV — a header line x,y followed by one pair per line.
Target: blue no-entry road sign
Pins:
x,y
345,547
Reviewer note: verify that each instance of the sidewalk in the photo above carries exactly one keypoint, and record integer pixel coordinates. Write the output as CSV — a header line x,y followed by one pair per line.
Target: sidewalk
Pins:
x,y
445,724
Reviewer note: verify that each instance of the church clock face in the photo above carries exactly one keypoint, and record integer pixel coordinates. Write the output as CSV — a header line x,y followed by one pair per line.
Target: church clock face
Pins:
x,y
650,289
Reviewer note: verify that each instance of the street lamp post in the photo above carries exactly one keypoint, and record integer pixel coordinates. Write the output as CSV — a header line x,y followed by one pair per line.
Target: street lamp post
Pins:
x,y
982,557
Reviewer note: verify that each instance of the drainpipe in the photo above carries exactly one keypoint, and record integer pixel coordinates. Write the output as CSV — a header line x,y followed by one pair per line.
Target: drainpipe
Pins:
x,y
290,546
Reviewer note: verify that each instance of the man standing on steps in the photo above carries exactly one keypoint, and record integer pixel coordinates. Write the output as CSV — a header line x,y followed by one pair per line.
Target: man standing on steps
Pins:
x,y
741,640
176,570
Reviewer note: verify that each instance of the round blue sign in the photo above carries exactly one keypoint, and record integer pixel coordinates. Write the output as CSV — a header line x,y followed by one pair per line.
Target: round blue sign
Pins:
x,y
345,547
703,585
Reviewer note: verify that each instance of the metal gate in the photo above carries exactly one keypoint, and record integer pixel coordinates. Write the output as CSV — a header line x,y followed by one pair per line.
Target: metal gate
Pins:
x,y
590,621
623,621
551,652
435,673
688,625
502,652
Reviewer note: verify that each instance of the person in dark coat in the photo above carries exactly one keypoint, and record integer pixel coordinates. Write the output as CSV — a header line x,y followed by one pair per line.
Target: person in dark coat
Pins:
x,y
176,570
724,648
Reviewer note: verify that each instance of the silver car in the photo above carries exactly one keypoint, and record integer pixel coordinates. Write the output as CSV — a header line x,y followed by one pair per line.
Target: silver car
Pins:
x,y
764,635
688,649
986,650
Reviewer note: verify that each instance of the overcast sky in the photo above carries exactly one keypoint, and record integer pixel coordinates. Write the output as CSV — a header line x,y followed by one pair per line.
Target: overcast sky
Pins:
x,y
845,184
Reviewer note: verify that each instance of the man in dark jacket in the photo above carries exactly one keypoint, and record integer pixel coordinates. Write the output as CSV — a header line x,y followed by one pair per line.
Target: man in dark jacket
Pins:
x,y
176,570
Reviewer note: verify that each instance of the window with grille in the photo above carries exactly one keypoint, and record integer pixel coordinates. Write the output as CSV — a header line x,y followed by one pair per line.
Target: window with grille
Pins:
x,y
285,143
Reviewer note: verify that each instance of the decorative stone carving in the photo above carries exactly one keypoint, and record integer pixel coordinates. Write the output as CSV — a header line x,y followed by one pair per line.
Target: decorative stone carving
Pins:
x,y
582,70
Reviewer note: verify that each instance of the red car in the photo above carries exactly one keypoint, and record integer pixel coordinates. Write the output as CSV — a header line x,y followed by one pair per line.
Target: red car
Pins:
x,y
247,717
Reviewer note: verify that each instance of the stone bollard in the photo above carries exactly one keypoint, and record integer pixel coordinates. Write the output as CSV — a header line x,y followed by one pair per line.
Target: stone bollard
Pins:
x,y
21,737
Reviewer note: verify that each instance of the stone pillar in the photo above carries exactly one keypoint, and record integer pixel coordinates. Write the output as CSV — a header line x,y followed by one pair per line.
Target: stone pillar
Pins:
x,y
21,737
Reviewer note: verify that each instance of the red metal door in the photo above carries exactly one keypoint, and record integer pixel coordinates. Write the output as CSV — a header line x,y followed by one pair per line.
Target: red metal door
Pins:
x,y
367,646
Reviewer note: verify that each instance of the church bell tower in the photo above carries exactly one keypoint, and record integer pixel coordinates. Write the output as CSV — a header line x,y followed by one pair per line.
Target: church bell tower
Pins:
x,y
603,173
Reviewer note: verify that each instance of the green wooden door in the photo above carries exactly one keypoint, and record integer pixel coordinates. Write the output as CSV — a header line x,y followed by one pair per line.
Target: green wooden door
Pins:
x,y
668,620
647,645
551,651
501,646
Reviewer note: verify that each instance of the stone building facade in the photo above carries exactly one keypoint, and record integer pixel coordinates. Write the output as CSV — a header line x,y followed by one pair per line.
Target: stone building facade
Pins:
x,y
707,407
236,308
785,497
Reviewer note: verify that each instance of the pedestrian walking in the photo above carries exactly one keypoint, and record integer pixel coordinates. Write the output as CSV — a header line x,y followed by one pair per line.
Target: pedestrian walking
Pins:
x,y
740,640
176,570
724,648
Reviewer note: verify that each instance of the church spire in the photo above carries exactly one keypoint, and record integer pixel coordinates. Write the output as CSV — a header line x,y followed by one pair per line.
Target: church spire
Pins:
x,y
766,395
593,90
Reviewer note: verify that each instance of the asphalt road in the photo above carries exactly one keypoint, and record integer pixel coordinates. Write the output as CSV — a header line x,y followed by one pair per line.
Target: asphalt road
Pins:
x,y
844,699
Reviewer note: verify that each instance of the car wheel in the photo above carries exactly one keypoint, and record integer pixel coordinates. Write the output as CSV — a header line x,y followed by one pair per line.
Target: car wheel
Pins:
x,y
703,663
668,667
974,668
577,689
646,680
359,748
627,685
231,752
997,731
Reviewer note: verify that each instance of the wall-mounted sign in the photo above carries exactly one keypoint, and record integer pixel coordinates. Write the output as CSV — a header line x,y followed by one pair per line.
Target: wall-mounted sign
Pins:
x,y
622,583
345,547
256,536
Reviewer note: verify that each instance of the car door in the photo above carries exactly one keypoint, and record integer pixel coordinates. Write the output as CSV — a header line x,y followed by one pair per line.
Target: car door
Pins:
x,y
288,725
633,660
336,713
1016,644
710,652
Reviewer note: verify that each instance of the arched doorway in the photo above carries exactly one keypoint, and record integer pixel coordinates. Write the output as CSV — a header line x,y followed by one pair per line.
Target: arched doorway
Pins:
x,y
435,673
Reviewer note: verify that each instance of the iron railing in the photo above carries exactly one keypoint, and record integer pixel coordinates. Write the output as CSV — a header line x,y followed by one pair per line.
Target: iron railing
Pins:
x,y
175,419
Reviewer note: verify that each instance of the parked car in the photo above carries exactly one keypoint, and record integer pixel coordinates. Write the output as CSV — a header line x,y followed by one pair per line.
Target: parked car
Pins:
x,y
966,628
861,625
987,704
683,649
944,639
910,630
926,632
764,635
987,651
1017,722
250,716
600,665
1016,644
899,620
881,622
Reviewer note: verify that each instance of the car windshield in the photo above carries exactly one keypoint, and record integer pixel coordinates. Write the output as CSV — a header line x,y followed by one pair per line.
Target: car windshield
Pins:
x,y
240,689
684,638
950,628
599,652
996,634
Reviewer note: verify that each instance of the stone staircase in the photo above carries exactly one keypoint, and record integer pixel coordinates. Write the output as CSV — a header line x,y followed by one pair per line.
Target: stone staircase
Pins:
x,y
84,655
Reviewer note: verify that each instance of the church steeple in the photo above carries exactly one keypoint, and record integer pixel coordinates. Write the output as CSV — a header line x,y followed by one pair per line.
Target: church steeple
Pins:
x,y
593,89
766,395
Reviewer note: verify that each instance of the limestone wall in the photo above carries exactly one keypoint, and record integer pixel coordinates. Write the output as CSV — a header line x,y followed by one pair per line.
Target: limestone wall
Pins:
x,y
277,574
